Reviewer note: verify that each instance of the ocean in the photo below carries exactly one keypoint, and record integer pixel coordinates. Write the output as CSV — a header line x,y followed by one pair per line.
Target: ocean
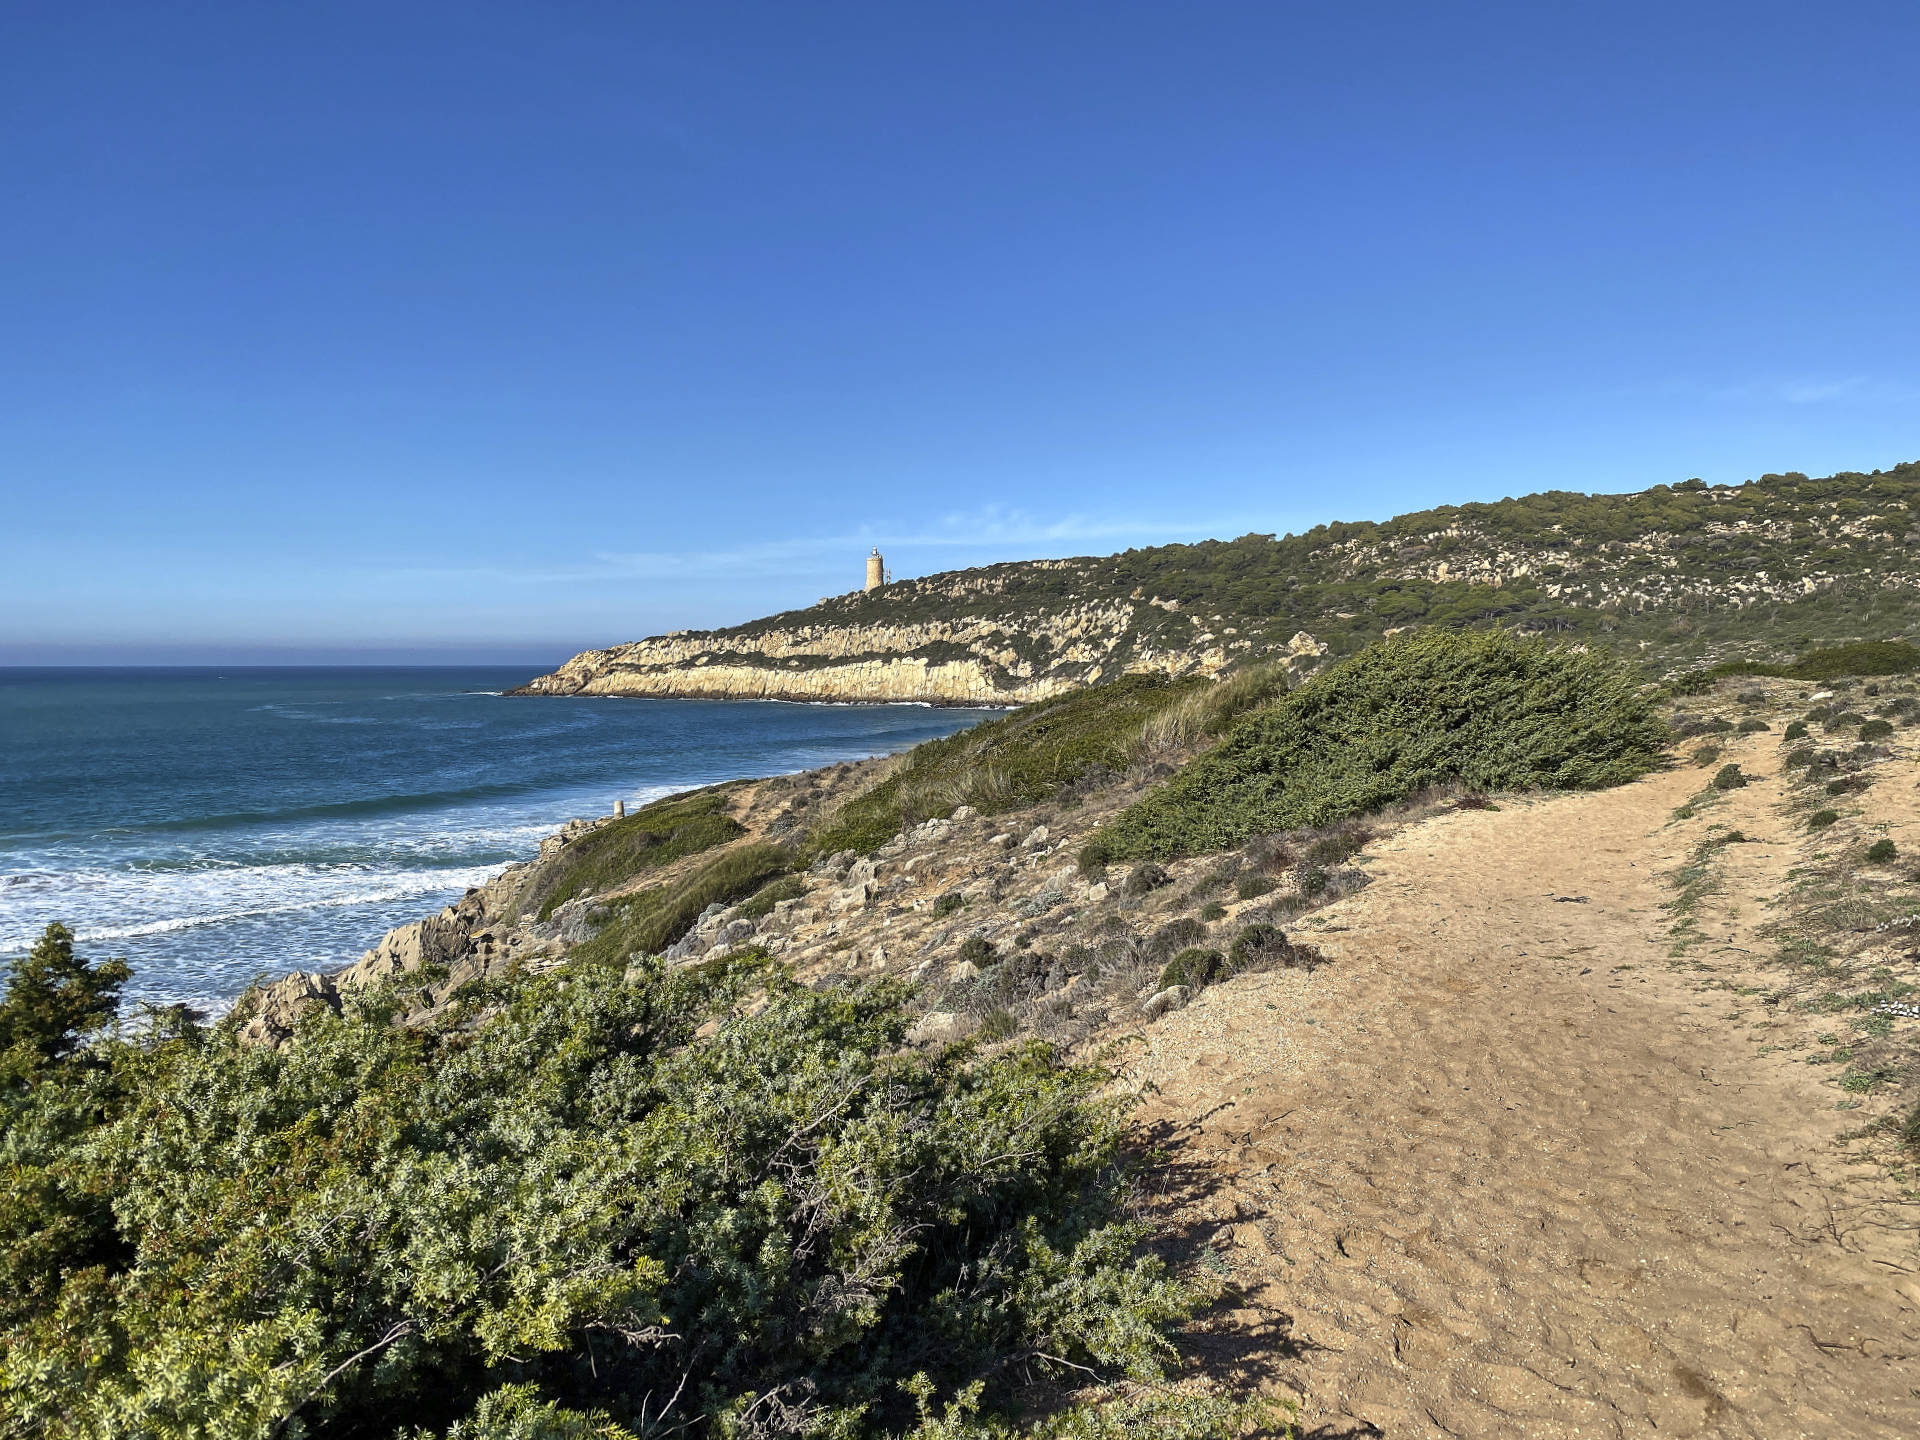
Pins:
x,y
212,826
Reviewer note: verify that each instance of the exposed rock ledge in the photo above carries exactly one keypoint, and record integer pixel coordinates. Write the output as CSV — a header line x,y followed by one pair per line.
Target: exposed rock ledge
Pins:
x,y
903,681
477,939
959,660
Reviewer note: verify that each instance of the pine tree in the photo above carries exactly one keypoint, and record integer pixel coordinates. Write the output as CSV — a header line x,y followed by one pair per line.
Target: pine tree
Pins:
x,y
53,999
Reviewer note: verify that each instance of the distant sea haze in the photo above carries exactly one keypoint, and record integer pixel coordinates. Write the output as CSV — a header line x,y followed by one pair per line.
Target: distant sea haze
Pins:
x,y
213,825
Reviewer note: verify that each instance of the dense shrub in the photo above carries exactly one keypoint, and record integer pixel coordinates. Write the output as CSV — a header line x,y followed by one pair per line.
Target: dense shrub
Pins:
x,y
1753,725
948,904
1212,910
1264,947
1175,935
1821,819
1881,852
1876,730
1489,710
977,950
1729,778
1194,967
1795,731
576,1205
1252,885
1145,878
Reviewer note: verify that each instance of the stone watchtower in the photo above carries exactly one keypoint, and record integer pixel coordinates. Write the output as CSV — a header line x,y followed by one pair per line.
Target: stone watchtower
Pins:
x,y
876,570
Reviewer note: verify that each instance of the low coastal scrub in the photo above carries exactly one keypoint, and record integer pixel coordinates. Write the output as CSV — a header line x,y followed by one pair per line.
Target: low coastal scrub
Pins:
x,y
648,922
1820,666
1018,759
1488,710
703,1202
666,830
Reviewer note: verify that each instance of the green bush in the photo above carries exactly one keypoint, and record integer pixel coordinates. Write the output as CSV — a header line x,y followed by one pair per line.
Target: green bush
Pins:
x,y
1213,910
1488,710
1264,947
1821,819
1795,731
647,923
1876,730
1729,778
1753,725
1705,755
948,904
977,950
1145,878
666,830
1252,885
1881,852
1017,759
1174,936
1798,759
1194,967
577,1205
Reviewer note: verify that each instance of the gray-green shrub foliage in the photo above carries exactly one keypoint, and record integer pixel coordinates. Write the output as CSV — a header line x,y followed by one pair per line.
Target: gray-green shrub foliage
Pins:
x,y
562,1198
1491,710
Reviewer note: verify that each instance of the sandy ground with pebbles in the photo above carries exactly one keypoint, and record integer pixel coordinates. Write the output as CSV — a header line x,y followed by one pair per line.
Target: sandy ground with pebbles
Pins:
x,y
1507,1168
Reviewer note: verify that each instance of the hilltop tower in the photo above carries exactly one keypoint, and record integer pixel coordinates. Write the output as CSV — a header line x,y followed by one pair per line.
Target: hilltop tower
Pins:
x,y
876,570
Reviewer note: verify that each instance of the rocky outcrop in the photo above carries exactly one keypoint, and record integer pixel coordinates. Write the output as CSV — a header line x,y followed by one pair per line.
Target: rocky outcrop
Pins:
x,y
991,658
474,940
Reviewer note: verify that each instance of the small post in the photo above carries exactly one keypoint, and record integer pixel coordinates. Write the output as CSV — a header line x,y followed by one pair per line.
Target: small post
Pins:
x,y
619,809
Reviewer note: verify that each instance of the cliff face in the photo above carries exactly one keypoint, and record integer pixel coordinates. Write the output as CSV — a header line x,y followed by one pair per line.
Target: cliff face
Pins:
x,y
991,659
1676,574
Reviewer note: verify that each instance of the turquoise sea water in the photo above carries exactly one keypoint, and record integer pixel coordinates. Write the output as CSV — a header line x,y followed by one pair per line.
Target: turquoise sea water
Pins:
x,y
214,825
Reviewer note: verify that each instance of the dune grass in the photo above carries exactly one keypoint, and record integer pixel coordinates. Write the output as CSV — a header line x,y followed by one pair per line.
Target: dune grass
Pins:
x,y
648,922
1018,759
666,830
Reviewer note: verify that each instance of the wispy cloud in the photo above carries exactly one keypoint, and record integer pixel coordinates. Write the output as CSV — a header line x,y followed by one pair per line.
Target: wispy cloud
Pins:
x,y
1822,390
1000,531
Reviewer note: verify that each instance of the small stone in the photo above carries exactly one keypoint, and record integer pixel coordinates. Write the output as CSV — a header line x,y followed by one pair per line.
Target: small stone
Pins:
x,y
1036,836
935,1025
1171,998
964,970
1002,841
1096,893
964,812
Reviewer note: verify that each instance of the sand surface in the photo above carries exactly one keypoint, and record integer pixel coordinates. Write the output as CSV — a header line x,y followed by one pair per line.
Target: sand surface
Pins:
x,y
1508,1168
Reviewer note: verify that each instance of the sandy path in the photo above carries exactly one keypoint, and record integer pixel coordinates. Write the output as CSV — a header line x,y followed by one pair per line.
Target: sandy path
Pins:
x,y
1511,1172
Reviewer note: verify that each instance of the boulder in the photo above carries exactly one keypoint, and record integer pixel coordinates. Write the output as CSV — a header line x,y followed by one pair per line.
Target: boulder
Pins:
x,y
1171,998
935,1027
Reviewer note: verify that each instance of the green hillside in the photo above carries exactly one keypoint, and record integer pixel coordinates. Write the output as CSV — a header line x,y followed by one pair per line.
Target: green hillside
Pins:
x,y
1678,573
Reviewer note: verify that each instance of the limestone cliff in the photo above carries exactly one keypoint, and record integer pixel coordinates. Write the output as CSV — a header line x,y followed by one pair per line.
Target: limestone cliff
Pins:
x,y
990,659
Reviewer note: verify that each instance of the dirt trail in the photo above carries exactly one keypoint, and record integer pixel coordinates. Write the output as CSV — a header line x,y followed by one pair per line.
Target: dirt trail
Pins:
x,y
1508,1170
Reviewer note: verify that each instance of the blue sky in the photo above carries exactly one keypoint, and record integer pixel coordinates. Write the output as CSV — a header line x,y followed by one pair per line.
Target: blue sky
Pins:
x,y
487,330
